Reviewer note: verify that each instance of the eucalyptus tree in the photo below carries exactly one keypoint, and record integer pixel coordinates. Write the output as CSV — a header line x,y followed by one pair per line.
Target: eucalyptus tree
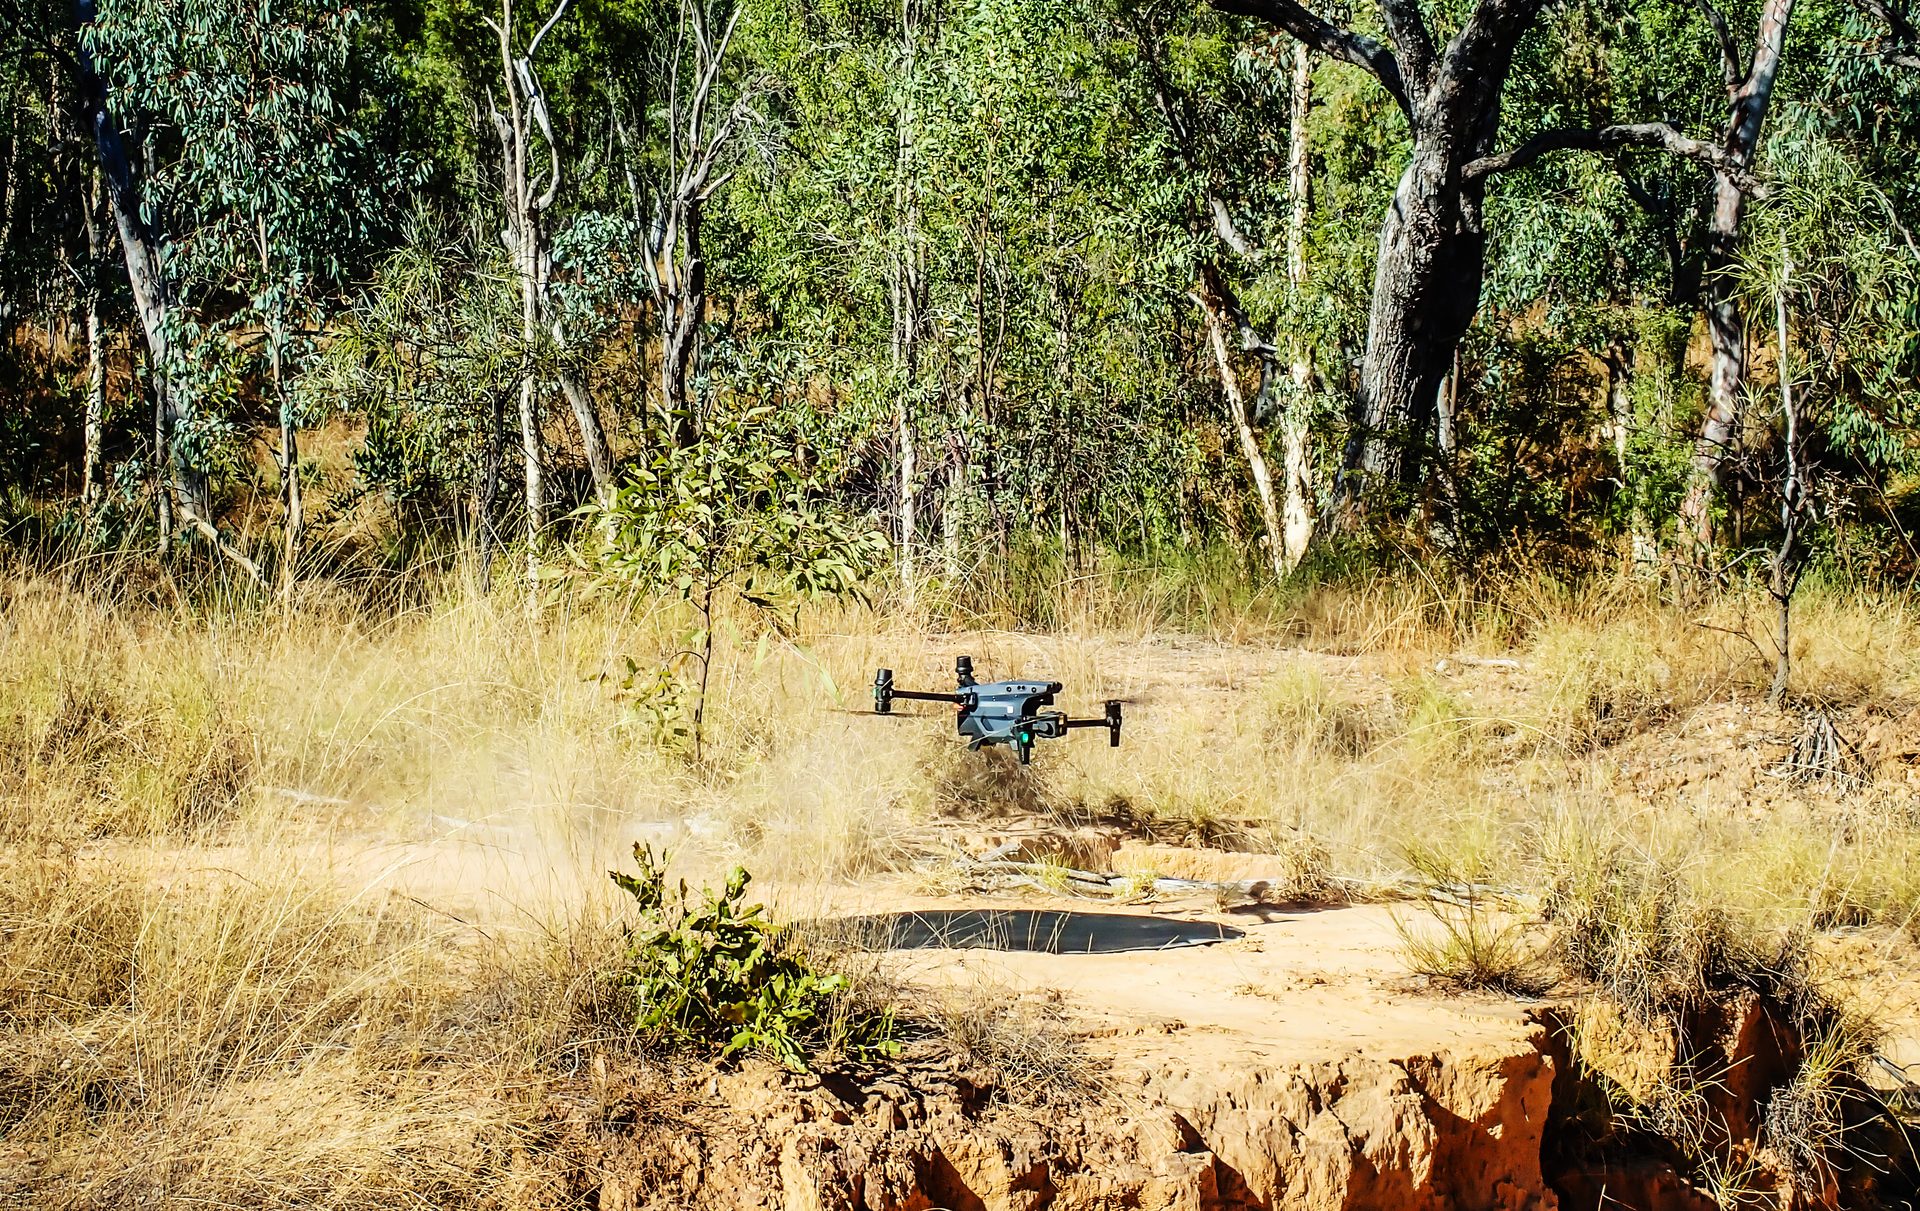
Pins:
x,y
1432,246
907,273
1297,520
527,201
706,107
1749,81
1228,116
259,192
1831,258
182,485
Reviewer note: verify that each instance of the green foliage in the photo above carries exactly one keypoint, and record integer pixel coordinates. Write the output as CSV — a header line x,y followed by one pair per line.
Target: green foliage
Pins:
x,y
969,227
718,976
736,511
426,359
736,517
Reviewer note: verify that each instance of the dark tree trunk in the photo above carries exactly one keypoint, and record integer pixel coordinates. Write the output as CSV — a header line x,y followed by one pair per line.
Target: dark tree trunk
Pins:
x,y
1427,281
1426,289
680,325
1432,252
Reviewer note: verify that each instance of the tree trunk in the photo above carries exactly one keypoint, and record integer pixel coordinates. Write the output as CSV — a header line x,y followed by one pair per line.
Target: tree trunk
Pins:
x,y
532,455
91,486
675,263
183,495
906,296
1786,560
487,490
1249,440
586,417
1727,340
291,499
184,485
686,299
1749,97
952,511
1426,289
1618,360
1296,475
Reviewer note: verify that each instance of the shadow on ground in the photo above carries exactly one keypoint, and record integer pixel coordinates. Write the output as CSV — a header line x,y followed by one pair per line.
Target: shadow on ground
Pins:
x,y
1042,930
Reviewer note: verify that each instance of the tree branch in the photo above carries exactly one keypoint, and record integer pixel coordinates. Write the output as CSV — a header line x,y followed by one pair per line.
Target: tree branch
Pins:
x,y
1723,37
1412,43
1330,40
1482,51
559,11
1657,135
1229,231
1903,48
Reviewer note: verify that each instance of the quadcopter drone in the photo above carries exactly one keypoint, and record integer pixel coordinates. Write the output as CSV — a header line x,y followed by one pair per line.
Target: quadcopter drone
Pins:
x,y
998,712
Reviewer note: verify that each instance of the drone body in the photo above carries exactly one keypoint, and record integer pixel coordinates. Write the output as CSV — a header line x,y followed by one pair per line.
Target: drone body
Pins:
x,y
998,712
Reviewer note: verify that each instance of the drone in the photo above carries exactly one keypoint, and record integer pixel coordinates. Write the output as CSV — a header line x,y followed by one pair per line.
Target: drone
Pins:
x,y
998,712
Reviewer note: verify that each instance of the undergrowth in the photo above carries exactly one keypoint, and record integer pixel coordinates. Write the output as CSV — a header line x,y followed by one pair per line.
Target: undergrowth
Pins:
x,y
346,857
716,975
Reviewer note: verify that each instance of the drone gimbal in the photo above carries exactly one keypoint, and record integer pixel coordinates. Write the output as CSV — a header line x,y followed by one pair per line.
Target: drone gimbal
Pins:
x,y
998,712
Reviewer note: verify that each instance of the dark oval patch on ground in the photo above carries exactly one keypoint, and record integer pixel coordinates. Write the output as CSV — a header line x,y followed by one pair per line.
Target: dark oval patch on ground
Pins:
x,y
1045,931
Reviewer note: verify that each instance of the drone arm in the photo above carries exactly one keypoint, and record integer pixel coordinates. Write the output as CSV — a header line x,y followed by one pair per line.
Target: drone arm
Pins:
x,y
1111,722
884,694
923,696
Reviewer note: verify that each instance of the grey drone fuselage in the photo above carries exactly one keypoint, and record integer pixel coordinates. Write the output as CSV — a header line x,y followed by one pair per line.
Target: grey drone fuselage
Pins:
x,y
999,712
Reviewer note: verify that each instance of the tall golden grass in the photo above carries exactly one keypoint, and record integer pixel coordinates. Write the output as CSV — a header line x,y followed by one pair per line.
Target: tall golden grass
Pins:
x,y
302,906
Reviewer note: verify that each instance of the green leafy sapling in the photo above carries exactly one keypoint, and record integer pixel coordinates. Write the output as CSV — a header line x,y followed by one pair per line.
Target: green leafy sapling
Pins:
x,y
734,519
718,975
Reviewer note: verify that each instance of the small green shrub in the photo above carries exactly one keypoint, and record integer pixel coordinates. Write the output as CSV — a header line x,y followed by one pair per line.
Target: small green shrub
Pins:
x,y
719,976
738,518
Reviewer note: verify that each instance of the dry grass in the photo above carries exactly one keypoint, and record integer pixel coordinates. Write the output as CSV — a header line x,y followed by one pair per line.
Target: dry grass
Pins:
x,y
328,866
184,1030
1020,1049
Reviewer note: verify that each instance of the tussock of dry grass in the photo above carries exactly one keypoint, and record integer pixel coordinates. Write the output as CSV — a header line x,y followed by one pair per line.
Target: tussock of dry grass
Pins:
x,y
1020,1048
179,1029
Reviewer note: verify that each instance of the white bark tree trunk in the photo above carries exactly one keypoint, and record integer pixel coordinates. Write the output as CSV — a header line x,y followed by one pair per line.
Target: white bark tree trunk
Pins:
x,y
1296,461
1241,417
526,207
906,295
1749,93
91,486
